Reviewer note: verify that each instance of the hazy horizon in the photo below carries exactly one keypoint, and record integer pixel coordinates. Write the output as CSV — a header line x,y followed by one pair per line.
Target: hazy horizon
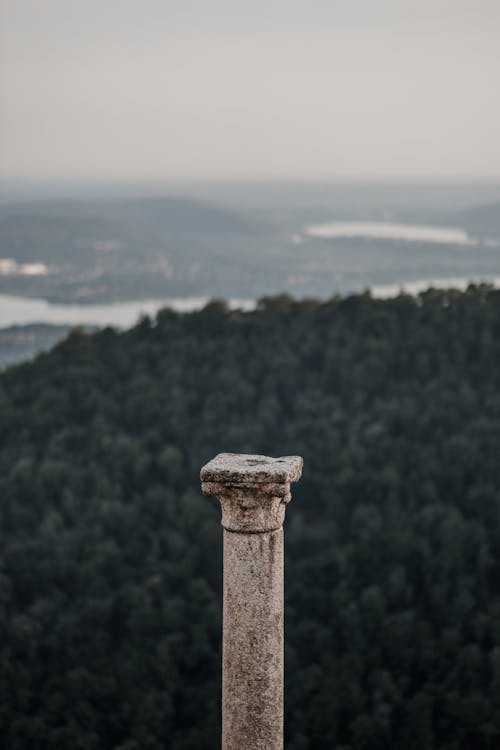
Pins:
x,y
167,91
242,195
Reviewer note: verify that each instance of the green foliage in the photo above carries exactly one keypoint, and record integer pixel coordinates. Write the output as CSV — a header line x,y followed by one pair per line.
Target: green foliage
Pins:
x,y
110,572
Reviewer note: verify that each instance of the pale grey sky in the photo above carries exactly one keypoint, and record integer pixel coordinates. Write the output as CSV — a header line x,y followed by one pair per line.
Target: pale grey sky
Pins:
x,y
167,89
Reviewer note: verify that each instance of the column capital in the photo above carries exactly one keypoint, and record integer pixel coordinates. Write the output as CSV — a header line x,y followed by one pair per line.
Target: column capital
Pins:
x,y
253,490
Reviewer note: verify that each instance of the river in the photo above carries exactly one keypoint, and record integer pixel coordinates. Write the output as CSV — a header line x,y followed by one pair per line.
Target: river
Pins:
x,y
21,310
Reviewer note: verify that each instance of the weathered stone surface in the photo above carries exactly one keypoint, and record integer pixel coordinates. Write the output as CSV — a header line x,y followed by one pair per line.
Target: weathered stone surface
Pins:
x,y
253,492
252,643
238,468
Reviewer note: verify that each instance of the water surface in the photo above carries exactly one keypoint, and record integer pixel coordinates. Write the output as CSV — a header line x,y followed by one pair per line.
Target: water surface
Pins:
x,y
382,230
19,310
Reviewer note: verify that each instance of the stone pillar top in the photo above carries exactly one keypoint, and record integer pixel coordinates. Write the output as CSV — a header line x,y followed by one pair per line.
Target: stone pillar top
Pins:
x,y
242,468
253,490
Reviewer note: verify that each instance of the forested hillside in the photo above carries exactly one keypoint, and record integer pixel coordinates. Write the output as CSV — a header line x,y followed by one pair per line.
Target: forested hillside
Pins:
x,y
110,576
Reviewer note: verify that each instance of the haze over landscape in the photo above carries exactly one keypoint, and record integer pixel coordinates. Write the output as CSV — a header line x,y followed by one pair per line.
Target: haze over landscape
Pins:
x,y
260,228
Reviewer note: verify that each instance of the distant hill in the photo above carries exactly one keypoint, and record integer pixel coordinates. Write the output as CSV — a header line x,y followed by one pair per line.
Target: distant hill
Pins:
x,y
174,214
23,342
65,239
110,250
181,215
55,231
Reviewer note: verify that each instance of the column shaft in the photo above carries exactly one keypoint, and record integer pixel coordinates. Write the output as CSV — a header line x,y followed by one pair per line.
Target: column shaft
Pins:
x,y
252,675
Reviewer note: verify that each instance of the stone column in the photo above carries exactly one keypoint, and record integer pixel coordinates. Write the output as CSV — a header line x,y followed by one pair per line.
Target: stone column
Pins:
x,y
253,492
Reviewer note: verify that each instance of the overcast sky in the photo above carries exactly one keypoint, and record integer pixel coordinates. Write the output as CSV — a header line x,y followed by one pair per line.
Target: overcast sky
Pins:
x,y
168,89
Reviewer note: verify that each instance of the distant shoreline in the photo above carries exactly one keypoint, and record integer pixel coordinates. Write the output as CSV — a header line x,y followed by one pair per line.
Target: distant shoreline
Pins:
x,y
16,310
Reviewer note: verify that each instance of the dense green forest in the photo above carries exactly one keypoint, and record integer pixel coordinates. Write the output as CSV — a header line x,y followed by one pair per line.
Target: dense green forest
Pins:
x,y
110,577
